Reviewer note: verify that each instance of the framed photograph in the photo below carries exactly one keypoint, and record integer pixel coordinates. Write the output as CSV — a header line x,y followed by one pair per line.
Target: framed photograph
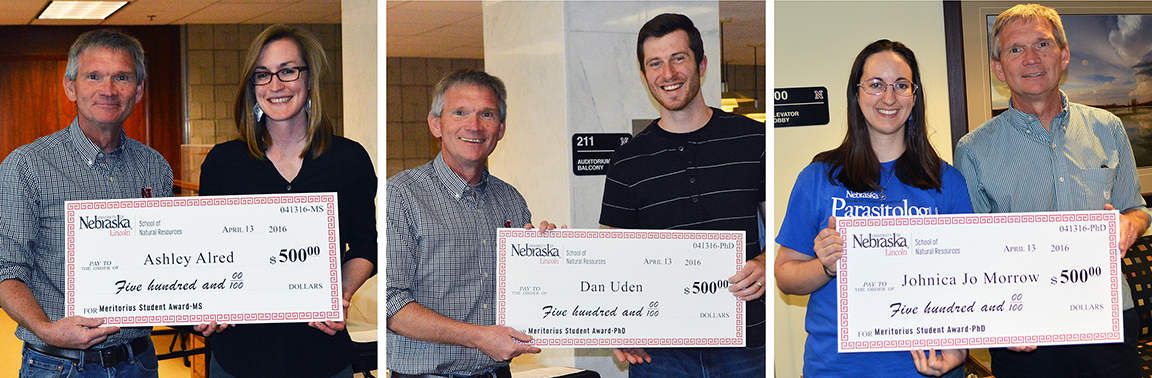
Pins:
x,y
1110,66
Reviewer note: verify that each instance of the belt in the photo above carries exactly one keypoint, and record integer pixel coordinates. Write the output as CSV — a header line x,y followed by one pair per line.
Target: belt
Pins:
x,y
502,371
107,357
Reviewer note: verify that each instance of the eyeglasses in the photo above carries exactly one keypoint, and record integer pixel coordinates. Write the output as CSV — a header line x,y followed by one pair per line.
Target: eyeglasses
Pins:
x,y
877,87
285,75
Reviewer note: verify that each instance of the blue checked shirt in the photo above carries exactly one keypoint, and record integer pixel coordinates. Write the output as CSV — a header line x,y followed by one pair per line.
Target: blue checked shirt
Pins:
x,y
1012,164
442,255
36,179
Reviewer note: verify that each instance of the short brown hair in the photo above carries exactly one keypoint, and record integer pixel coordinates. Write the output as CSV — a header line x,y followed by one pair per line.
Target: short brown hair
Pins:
x,y
665,24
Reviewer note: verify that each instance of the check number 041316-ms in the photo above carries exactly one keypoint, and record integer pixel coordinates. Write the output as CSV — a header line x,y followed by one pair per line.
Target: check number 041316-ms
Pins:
x,y
192,260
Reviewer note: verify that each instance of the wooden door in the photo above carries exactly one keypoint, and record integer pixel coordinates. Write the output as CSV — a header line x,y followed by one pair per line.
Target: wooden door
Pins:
x,y
32,100
28,102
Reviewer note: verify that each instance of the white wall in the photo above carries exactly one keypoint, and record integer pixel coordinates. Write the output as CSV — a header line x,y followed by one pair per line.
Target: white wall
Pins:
x,y
358,32
814,45
358,29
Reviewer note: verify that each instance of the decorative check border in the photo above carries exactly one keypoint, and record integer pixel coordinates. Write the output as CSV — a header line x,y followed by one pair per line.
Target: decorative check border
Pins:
x,y
843,279
326,199
545,340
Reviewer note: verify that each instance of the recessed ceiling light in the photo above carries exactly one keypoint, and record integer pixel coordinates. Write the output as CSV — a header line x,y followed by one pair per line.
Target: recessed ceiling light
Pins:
x,y
80,10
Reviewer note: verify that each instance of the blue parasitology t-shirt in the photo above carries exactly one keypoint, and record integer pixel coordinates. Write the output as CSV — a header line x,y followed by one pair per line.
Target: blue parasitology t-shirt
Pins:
x,y
812,201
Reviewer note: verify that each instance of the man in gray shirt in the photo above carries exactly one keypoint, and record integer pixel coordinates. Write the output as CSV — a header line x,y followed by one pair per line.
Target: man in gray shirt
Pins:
x,y
91,159
442,219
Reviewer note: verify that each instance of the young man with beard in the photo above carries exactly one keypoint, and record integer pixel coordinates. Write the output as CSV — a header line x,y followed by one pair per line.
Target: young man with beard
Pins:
x,y
694,168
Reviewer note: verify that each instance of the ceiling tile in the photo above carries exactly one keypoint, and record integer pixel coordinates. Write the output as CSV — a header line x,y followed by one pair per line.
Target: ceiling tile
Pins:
x,y
258,1
434,41
226,13
11,18
460,33
405,21
165,11
20,12
303,12
460,6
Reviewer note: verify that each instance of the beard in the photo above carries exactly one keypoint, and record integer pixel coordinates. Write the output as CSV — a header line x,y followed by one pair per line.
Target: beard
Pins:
x,y
691,87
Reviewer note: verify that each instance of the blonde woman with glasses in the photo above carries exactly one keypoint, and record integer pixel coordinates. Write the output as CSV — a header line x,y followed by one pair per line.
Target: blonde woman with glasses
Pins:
x,y
287,145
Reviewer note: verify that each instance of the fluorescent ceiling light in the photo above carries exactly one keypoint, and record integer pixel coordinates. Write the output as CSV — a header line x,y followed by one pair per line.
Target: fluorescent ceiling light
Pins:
x,y
80,10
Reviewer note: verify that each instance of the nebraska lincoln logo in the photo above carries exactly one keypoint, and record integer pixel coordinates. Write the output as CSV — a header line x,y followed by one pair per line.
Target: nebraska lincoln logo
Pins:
x,y
535,250
892,240
98,222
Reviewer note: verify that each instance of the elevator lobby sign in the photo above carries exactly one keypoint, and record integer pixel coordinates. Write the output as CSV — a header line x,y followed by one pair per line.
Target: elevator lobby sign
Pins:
x,y
804,106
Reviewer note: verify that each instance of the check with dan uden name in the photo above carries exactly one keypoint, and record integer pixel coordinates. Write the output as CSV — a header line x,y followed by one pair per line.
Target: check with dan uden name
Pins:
x,y
192,260
979,281
572,288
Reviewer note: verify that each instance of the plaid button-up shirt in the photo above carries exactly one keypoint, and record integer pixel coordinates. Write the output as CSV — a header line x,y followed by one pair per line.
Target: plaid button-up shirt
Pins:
x,y
36,179
442,255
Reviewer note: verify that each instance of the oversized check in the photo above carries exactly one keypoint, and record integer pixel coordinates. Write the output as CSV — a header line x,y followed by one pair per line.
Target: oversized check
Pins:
x,y
979,281
191,260
620,288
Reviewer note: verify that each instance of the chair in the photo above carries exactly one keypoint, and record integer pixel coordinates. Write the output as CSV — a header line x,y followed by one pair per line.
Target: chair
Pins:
x,y
365,364
184,338
975,367
362,327
1137,270
556,372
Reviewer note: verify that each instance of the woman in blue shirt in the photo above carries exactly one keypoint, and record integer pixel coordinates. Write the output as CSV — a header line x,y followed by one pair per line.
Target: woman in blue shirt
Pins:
x,y
884,167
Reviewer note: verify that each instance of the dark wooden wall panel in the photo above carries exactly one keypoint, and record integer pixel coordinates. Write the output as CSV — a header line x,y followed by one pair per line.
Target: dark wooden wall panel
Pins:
x,y
954,48
65,109
23,83
158,120
165,106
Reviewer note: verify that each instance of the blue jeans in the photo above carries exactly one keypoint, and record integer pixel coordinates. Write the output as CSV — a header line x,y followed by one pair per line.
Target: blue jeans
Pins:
x,y
39,365
701,363
958,372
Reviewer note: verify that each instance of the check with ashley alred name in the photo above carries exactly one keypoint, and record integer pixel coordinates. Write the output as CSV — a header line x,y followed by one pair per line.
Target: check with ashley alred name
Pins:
x,y
620,288
979,281
192,260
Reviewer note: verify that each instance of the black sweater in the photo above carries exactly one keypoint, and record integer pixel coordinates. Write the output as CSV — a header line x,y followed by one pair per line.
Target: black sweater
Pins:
x,y
295,349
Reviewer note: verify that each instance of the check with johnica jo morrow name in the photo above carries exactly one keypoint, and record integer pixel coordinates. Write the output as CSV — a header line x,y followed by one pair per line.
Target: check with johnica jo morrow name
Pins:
x,y
572,288
979,281
192,260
